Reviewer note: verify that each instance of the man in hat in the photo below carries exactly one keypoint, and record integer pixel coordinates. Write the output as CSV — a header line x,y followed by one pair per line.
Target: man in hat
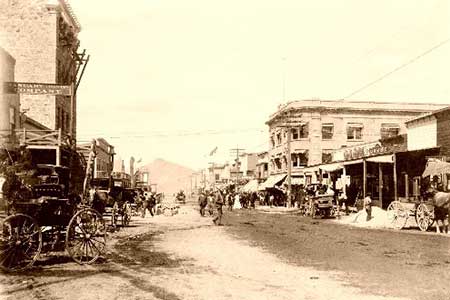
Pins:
x,y
219,202
202,202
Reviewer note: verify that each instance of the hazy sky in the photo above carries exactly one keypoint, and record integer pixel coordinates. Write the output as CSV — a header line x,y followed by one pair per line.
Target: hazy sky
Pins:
x,y
173,79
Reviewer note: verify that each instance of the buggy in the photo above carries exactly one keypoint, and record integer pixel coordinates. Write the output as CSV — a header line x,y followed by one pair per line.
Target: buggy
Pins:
x,y
48,218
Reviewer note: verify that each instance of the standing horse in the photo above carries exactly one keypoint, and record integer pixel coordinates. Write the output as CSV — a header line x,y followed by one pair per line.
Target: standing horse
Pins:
x,y
441,204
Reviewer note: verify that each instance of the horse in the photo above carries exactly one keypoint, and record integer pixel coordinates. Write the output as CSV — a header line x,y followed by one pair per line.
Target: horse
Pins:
x,y
441,204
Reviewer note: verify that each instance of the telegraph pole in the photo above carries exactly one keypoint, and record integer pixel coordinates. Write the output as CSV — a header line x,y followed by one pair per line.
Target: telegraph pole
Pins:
x,y
236,151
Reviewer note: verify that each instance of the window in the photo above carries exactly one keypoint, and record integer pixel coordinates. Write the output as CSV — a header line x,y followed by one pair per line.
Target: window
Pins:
x,y
389,130
304,131
327,131
12,118
278,138
354,131
217,176
326,157
295,161
303,159
295,134
272,141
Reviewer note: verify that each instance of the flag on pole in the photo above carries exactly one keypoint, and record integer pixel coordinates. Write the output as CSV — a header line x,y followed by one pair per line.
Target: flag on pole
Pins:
x,y
213,151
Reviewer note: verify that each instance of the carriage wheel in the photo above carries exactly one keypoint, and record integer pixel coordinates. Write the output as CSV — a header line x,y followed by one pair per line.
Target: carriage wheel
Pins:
x,y
424,217
20,242
397,215
86,236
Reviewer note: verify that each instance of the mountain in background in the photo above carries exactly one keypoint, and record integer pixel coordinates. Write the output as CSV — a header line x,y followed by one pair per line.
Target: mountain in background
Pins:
x,y
169,177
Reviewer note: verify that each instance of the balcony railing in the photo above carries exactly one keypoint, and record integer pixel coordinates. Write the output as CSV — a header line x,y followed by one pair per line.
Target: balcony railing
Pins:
x,y
43,138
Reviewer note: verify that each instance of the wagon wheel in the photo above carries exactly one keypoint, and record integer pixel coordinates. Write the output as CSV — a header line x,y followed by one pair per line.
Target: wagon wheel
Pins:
x,y
397,214
86,236
20,242
424,217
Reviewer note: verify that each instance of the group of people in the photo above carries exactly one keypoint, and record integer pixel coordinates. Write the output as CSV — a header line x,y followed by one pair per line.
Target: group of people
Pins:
x,y
210,201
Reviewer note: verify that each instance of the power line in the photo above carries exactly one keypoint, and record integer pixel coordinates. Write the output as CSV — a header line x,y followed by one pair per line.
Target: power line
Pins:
x,y
398,68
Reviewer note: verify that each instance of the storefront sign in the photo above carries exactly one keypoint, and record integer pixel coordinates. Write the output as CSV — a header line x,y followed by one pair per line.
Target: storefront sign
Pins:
x,y
33,88
367,150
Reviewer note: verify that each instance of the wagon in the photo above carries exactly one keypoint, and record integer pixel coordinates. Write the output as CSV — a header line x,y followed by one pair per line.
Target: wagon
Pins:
x,y
50,220
398,214
322,205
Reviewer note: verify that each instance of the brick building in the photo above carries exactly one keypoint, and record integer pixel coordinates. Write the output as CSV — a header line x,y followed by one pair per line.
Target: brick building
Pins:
x,y
42,37
104,157
318,127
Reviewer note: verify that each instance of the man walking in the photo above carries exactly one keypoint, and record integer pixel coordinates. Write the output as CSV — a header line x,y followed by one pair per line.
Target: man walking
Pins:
x,y
219,203
202,202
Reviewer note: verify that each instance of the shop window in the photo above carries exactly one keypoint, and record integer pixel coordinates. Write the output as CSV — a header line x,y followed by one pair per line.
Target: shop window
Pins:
x,y
327,157
354,131
327,131
304,131
389,130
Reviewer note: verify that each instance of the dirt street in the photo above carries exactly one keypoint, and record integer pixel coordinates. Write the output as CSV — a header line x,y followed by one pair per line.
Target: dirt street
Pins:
x,y
185,257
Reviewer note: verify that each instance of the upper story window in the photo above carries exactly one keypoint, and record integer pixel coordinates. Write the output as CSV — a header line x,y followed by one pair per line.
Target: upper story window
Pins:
x,y
354,131
389,130
327,131
326,156
278,138
272,141
295,133
303,131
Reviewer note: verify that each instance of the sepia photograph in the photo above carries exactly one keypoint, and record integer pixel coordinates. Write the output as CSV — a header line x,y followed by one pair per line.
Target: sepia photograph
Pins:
x,y
224,150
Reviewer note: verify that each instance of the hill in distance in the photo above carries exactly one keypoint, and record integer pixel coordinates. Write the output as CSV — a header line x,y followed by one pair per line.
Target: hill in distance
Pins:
x,y
169,177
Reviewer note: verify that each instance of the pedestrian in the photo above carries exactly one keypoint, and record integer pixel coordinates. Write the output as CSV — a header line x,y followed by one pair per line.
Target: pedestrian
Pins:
x,y
202,202
368,206
218,203
230,198
210,203
271,200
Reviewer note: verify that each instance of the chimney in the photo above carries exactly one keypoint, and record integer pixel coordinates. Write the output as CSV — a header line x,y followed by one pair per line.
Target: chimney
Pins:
x,y
133,180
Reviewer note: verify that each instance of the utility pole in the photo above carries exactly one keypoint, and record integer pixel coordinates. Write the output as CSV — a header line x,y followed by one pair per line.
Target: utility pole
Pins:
x,y
289,167
233,152
213,166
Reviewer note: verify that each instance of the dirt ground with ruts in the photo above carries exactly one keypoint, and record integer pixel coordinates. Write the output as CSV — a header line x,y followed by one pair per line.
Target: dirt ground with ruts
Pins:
x,y
255,255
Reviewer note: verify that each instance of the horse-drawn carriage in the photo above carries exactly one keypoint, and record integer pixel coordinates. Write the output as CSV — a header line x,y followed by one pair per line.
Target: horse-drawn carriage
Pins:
x,y
46,217
114,199
427,207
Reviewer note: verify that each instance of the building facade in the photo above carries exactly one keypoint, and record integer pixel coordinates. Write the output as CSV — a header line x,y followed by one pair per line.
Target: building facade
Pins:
x,y
262,166
42,37
318,127
104,157
9,103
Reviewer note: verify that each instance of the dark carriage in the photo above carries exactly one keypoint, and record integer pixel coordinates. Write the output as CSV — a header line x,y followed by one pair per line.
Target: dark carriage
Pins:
x,y
113,198
45,217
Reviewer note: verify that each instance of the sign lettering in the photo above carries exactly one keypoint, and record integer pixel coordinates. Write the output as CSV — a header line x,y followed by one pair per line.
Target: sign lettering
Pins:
x,y
33,88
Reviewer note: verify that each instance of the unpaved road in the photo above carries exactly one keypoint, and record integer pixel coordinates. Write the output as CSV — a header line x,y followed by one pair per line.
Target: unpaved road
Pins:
x,y
179,257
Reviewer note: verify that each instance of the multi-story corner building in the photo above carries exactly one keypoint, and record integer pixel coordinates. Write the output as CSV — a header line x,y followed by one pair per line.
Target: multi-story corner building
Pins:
x,y
42,37
317,127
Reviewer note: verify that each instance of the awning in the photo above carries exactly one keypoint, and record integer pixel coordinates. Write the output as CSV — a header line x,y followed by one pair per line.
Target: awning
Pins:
x,y
436,168
251,186
331,167
310,170
352,162
382,159
272,181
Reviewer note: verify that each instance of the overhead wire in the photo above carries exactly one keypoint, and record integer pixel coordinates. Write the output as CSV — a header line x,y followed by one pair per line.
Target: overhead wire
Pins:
x,y
397,68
